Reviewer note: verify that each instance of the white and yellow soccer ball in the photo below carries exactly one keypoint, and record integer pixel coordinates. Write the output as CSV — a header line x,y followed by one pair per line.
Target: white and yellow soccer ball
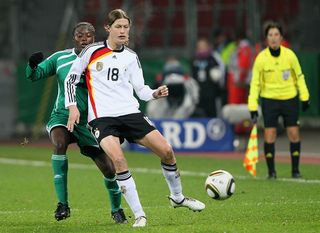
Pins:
x,y
220,185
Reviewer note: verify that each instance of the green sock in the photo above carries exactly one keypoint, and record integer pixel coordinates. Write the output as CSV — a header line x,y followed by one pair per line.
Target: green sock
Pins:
x,y
60,172
114,193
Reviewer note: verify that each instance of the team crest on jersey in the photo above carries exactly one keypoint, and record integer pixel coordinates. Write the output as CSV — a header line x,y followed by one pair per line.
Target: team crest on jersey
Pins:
x,y
99,66
285,74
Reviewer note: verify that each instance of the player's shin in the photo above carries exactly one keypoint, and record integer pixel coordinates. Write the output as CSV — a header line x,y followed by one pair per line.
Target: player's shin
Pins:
x,y
60,172
172,176
114,193
295,157
130,193
269,152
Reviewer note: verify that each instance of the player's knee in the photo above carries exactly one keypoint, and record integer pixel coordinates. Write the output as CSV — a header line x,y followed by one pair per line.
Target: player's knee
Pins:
x,y
60,147
119,161
167,152
294,138
109,172
108,168
293,135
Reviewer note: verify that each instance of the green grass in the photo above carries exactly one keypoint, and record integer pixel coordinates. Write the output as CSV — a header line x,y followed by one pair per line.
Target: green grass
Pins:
x,y
27,198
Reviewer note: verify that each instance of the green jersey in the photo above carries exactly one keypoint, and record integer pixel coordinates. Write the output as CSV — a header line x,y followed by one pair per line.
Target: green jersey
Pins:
x,y
59,64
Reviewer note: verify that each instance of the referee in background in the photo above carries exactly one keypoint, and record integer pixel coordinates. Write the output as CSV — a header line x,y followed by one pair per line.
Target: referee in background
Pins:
x,y
277,78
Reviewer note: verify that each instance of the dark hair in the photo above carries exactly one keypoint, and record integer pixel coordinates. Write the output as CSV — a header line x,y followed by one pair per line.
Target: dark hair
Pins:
x,y
114,15
84,24
270,25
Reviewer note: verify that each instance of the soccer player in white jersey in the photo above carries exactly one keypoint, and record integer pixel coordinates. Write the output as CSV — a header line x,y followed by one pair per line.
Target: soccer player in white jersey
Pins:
x,y
113,72
59,64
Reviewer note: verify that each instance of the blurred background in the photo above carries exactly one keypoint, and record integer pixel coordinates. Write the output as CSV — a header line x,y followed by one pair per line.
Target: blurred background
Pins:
x,y
161,29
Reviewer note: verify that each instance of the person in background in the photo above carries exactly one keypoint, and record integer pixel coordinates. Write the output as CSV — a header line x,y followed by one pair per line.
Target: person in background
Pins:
x,y
114,73
238,79
224,43
209,72
279,81
239,71
58,64
184,93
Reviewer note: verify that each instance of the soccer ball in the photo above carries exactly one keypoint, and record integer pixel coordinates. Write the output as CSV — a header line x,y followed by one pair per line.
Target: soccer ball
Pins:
x,y
220,185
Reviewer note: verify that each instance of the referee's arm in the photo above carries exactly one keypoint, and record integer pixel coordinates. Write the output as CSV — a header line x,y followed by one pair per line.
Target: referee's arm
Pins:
x,y
255,86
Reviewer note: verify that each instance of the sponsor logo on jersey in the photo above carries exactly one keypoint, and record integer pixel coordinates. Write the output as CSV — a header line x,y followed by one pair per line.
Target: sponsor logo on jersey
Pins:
x,y
99,66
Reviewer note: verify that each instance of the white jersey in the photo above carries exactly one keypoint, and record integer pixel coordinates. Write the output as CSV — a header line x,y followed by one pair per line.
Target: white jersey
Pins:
x,y
111,77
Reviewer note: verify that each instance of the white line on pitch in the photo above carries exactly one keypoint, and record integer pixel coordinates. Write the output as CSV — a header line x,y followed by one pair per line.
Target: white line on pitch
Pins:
x,y
35,163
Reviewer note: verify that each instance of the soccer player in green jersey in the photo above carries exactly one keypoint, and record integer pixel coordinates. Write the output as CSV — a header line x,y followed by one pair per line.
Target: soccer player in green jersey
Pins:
x,y
58,64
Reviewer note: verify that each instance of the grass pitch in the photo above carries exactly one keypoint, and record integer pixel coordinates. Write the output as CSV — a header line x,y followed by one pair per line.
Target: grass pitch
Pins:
x,y
27,198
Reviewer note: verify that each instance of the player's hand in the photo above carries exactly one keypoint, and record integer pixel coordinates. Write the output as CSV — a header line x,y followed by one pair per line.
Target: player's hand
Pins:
x,y
305,105
74,117
254,116
161,91
35,59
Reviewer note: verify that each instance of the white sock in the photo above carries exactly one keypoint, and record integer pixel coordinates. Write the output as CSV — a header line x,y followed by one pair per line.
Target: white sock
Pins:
x,y
172,175
130,193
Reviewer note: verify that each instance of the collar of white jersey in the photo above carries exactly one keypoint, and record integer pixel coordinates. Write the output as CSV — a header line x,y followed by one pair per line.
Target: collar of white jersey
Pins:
x,y
116,50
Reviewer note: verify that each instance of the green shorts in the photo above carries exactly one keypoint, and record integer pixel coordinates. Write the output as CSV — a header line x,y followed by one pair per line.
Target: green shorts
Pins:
x,y
81,133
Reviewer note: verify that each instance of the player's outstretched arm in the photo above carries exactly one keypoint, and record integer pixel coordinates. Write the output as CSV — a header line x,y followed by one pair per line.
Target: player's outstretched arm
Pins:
x,y
35,59
39,68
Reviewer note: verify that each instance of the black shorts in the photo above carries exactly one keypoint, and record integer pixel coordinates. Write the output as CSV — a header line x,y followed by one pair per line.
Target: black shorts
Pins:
x,y
130,127
273,109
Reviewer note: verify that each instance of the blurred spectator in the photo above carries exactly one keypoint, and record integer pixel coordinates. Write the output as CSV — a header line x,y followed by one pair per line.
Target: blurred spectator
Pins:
x,y
224,44
184,93
219,40
209,71
238,79
239,72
